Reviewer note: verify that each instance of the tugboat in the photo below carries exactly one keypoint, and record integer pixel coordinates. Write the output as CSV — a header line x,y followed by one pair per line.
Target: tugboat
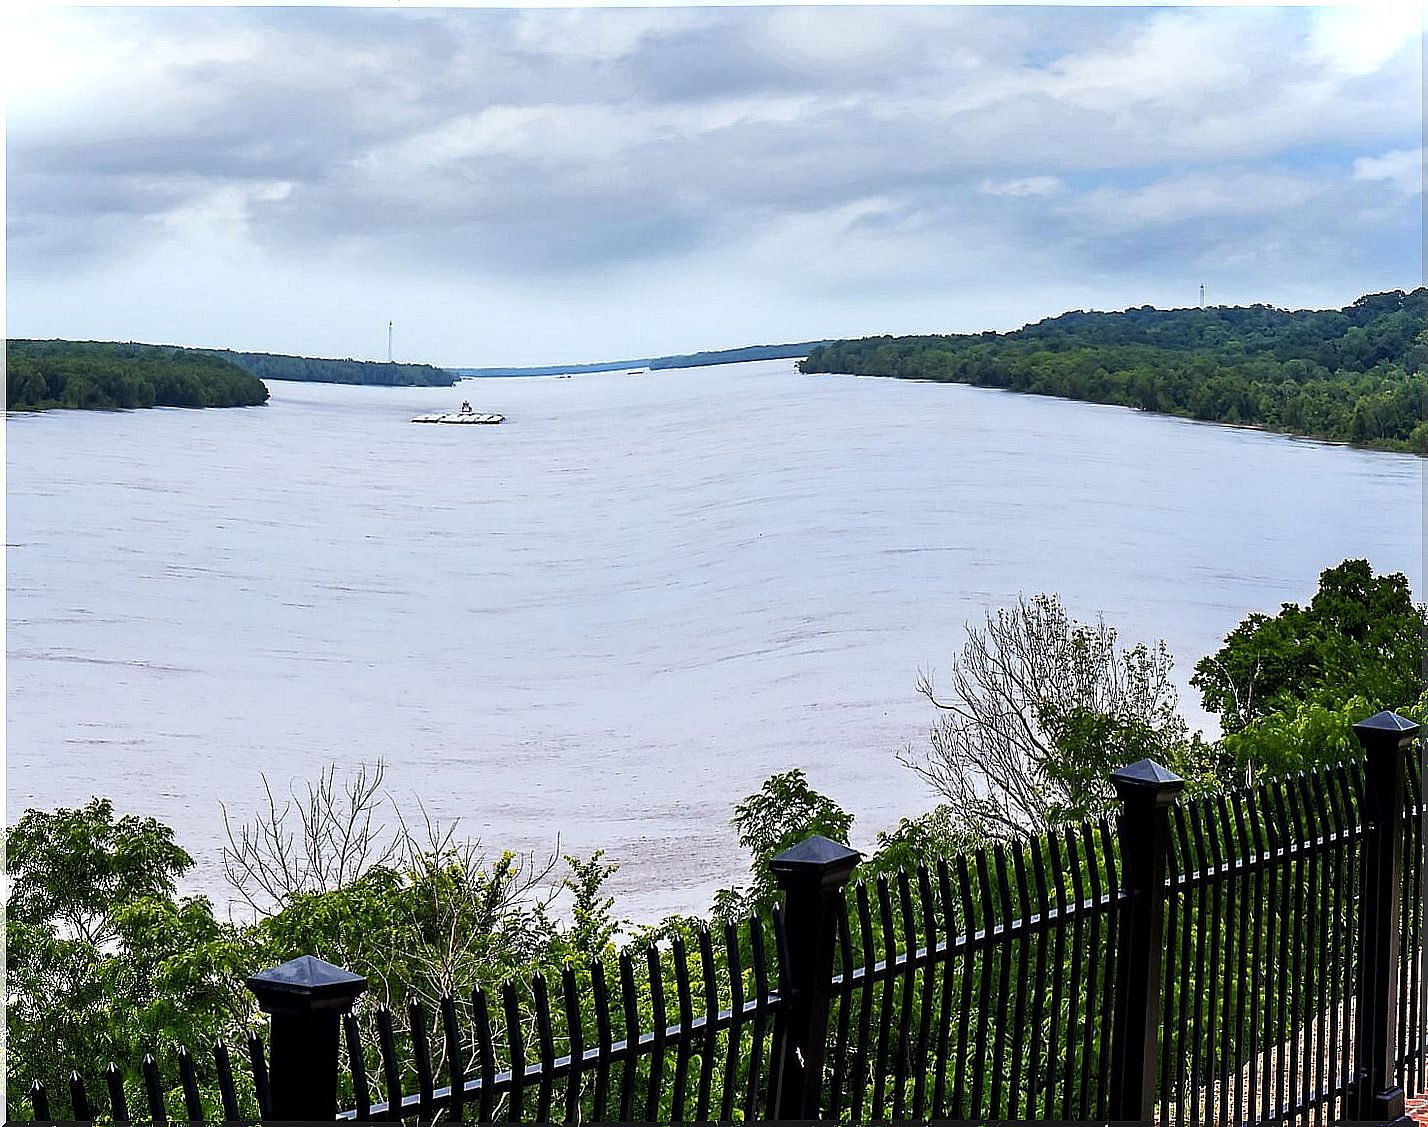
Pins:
x,y
466,416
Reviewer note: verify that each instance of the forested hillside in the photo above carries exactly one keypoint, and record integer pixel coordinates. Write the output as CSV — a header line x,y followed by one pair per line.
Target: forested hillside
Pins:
x,y
1357,374
271,366
101,375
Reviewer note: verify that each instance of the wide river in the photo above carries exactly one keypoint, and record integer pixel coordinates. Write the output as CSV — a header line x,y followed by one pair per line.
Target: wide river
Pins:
x,y
609,619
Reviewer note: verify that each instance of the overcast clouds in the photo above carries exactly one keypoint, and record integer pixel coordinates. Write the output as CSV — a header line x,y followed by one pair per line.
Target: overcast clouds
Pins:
x,y
544,185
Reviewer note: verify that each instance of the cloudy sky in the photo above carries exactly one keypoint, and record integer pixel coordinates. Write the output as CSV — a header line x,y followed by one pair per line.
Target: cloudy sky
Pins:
x,y
539,185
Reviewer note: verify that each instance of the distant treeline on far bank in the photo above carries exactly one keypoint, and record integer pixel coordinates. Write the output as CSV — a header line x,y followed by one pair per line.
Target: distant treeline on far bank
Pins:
x,y
108,375
271,366
654,363
103,375
1357,374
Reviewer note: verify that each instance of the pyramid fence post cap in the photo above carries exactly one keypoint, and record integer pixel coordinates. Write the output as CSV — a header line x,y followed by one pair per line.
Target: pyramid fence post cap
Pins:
x,y
815,858
1146,777
1386,727
305,984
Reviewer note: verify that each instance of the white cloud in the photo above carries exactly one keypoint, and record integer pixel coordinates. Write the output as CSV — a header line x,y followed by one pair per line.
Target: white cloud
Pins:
x,y
1400,168
830,151
1360,40
1022,187
1195,197
1175,57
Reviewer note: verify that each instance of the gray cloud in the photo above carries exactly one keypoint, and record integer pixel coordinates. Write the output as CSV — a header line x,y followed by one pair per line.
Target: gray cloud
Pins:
x,y
506,146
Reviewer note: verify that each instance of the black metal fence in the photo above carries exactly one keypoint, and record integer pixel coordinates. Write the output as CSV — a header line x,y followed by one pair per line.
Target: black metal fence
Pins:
x,y
1255,957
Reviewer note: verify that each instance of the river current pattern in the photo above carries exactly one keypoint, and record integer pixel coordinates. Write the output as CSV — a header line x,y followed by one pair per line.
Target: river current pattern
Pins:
x,y
608,619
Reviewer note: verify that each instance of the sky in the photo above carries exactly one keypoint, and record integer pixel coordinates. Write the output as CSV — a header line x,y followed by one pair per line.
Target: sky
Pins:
x,y
549,185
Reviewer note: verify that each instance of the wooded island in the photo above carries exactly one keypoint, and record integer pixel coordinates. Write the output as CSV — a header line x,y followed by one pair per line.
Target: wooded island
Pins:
x,y
103,375
1357,374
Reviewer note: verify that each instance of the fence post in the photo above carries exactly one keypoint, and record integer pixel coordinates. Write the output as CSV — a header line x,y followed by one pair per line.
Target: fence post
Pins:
x,y
307,999
812,875
1376,1094
1146,790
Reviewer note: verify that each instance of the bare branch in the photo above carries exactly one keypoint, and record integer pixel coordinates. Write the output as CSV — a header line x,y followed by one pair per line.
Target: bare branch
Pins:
x,y
995,752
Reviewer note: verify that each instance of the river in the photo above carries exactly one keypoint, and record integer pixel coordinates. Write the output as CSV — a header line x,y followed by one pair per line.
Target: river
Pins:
x,y
610,618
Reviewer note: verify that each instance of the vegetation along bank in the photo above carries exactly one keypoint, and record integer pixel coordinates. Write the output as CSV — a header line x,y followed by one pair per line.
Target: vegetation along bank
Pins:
x,y
1357,374
100,375
272,366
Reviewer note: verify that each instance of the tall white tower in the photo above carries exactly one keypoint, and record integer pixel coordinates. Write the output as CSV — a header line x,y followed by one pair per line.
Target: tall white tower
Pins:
x,y
389,328
1202,295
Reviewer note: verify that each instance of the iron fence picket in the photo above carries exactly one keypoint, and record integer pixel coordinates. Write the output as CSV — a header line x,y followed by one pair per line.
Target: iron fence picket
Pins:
x,y
1014,942
546,1036
39,1101
227,1089
188,1081
1065,867
946,979
711,1036
79,1099
927,994
759,1028
154,1090
455,1066
114,1083
736,995
570,994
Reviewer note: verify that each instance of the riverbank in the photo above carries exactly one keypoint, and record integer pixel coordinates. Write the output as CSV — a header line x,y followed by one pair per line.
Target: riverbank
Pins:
x,y
1354,375
42,375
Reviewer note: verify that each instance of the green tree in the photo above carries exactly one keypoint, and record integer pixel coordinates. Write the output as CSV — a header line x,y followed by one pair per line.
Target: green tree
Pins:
x,y
104,961
74,871
1361,636
1041,709
783,812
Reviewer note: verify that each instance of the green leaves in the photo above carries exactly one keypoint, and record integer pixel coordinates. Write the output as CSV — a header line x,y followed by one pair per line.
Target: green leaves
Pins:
x,y
1039,710
74,870
1350,376
105,962
103,375
782,813
1360,637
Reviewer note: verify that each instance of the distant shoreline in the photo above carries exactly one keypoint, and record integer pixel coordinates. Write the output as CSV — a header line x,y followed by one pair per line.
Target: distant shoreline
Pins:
x,y
656,363
1356,376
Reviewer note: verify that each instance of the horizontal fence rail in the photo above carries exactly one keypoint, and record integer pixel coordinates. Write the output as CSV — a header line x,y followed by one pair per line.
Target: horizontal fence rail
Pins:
x,y
208,1088
1252,956
1259,1004
1001,1009
663,1035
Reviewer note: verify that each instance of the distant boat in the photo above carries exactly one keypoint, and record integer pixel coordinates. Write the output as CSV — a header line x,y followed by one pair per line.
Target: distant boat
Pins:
x,y
466,417
638,372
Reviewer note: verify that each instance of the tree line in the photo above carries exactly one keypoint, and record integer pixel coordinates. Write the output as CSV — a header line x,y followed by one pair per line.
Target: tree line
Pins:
x,y
655,363
101,375
273,366
1357,374
106,961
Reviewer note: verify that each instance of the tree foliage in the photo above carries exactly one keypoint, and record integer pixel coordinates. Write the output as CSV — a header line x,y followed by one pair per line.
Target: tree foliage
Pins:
x,y
271,366
41,374
104,960
1288,688
1357,375
784,811
1039,710
1360,636
107,962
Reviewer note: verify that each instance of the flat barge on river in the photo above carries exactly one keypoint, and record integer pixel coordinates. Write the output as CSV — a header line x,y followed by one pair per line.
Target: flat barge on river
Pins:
x,y
464,417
